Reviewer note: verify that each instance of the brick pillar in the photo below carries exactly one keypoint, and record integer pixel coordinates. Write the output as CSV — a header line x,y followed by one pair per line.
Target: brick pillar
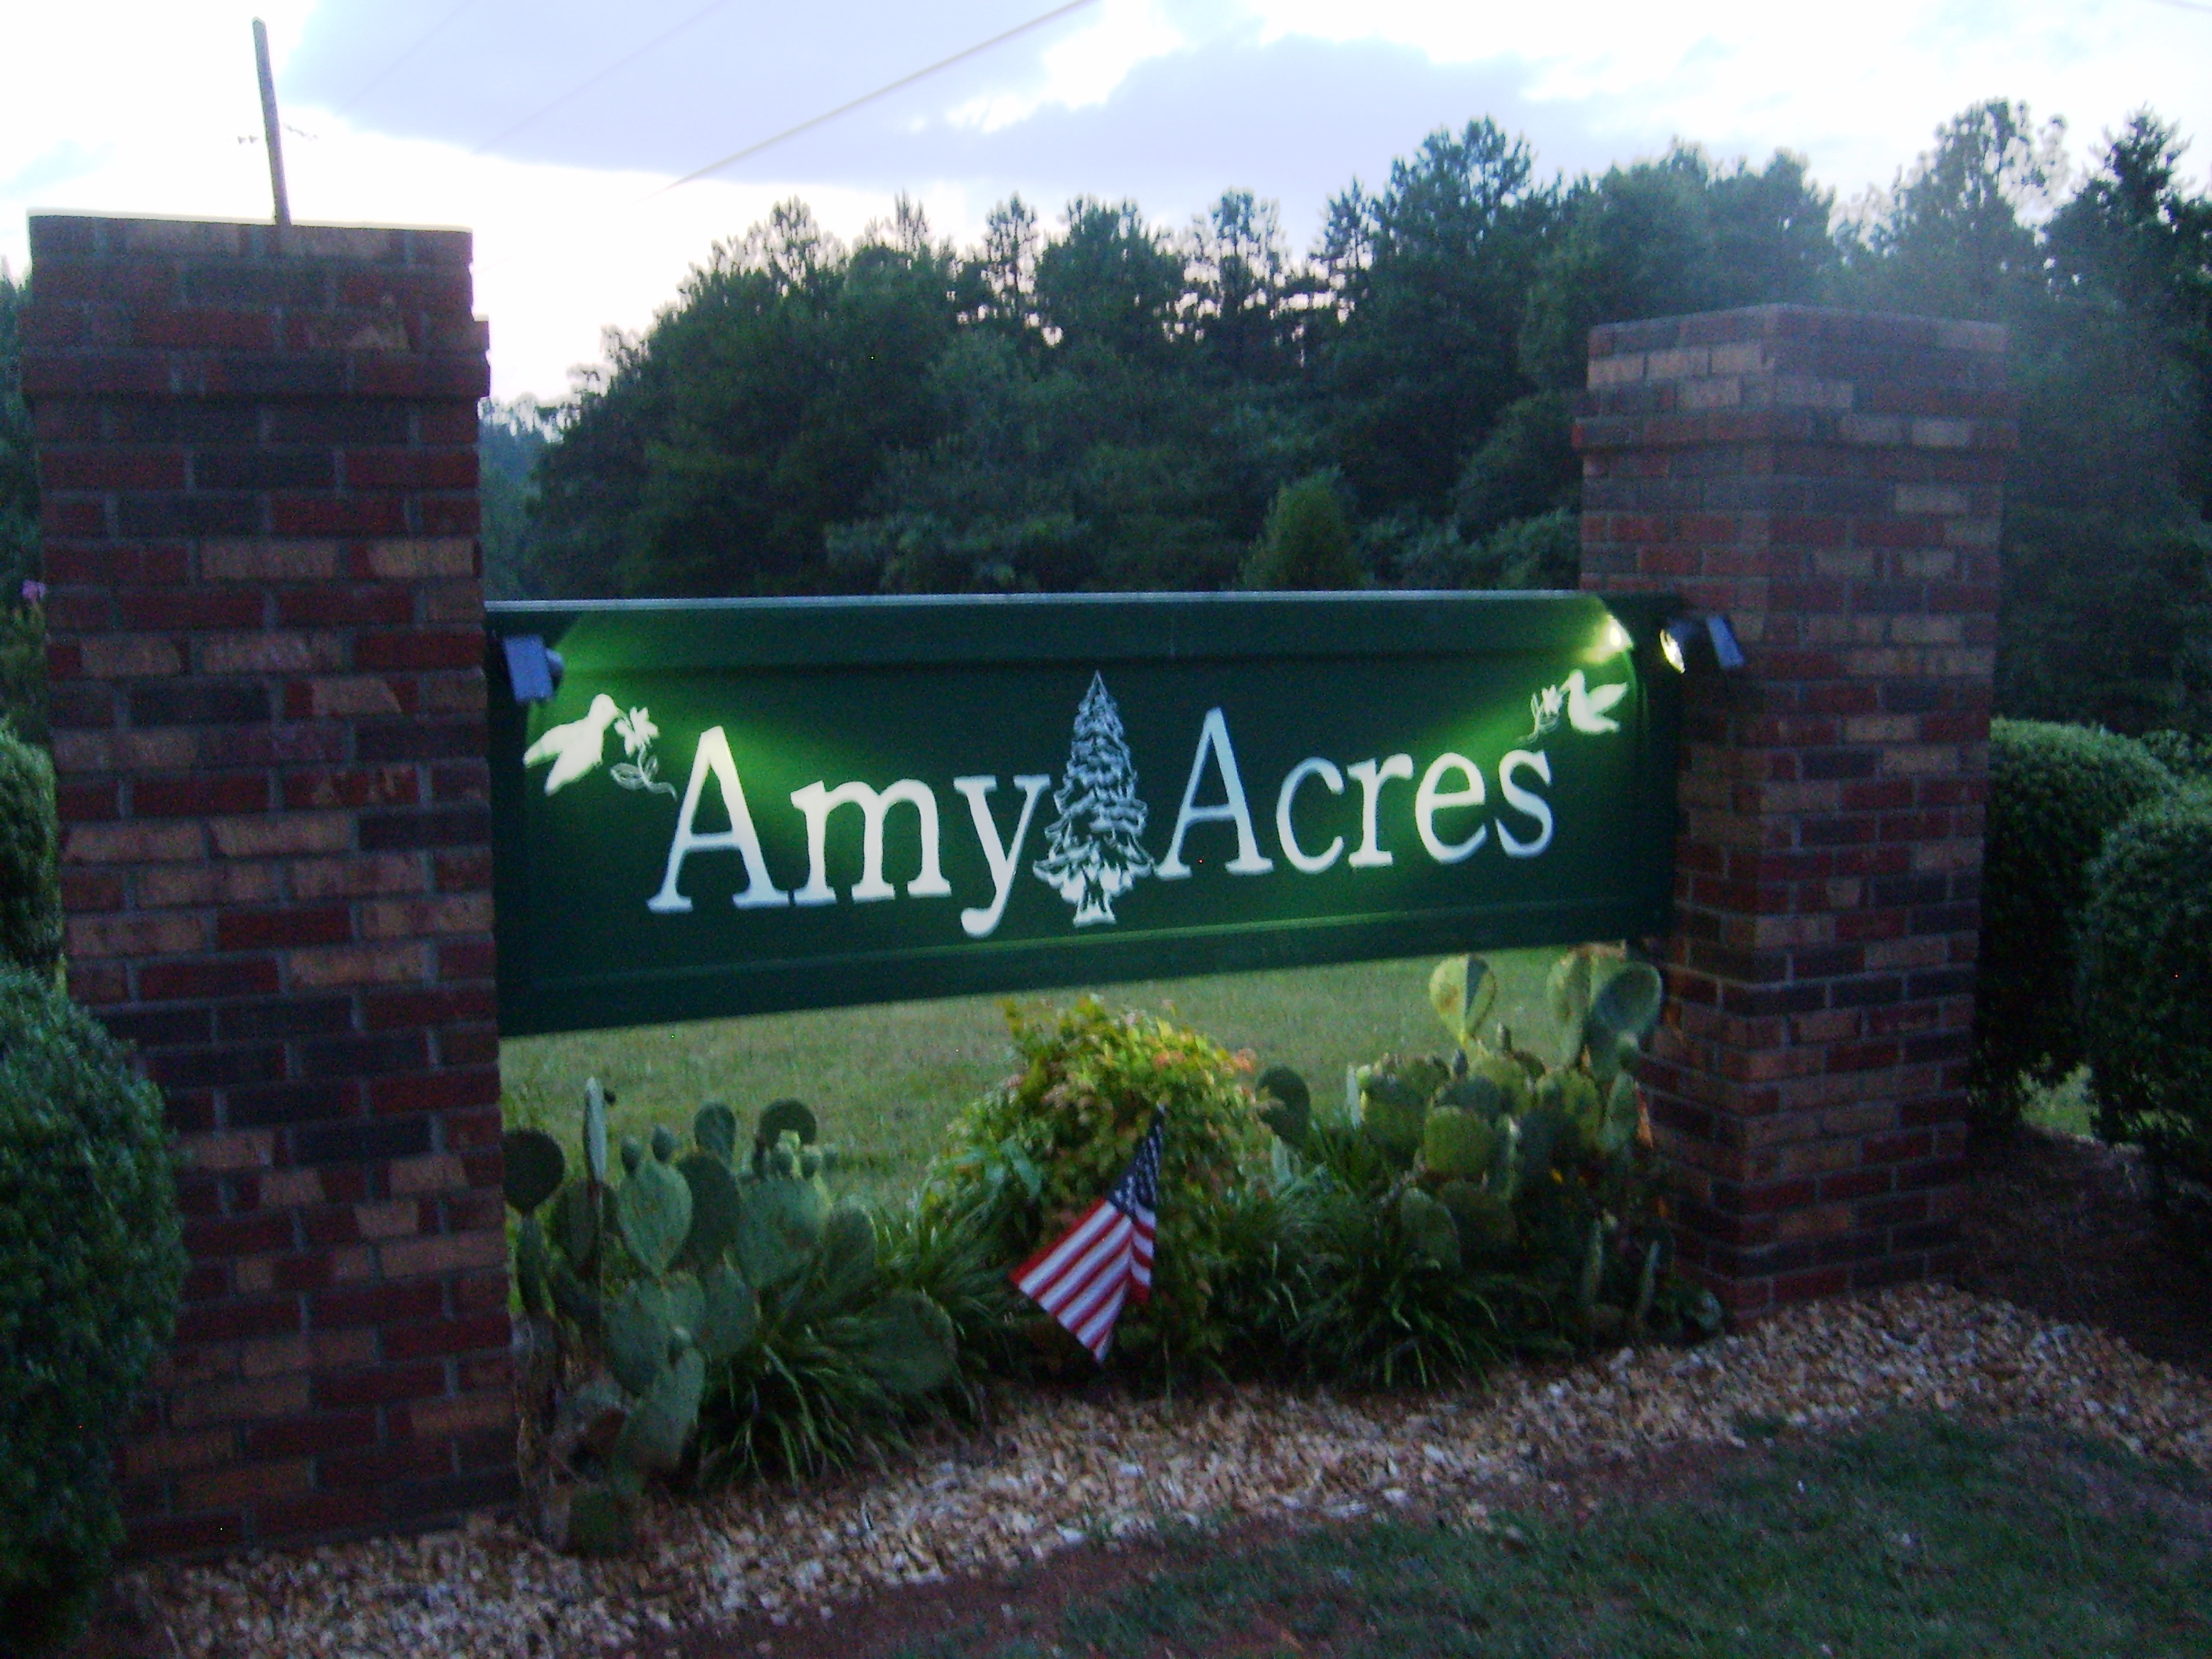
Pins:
x,y
257,449
1832,480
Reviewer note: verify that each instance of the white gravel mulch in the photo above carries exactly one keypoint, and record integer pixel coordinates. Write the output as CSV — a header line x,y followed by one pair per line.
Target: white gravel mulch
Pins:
x,y
1053,1471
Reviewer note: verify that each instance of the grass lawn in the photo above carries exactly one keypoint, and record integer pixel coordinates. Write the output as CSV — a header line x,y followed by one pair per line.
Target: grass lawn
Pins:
x,y
885,1080
1919,1539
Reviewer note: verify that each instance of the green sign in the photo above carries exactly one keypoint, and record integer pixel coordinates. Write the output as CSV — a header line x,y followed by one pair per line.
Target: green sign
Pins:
x,y
736,806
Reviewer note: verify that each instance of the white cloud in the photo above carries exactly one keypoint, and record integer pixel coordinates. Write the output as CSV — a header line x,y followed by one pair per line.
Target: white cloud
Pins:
x,y
139,107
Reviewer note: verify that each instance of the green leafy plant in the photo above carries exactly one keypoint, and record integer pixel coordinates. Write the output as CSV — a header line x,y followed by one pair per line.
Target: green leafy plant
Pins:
x,y
2145,949
2055,792
30,889
89,1269
700,1315
1465,1205
1028,1157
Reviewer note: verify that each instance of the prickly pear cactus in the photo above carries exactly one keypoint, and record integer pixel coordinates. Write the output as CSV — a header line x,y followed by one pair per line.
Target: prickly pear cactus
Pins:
x,y
647,1280
1542,1164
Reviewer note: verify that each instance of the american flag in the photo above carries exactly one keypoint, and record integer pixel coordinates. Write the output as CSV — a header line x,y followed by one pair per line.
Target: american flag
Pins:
x,y
1105,1258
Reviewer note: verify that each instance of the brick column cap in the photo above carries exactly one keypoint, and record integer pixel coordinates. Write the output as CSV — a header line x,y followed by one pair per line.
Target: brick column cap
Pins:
x,y
1797,374
219,309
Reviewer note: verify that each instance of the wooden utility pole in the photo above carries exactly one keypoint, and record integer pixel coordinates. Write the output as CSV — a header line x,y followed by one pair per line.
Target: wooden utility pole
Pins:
x,y
273,132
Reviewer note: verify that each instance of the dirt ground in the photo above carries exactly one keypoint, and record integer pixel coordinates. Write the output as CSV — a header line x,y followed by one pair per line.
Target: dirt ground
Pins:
x,y
2065,1227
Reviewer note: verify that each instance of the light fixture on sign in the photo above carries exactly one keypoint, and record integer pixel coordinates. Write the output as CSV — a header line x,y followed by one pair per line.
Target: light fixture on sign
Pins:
x,y
1677,639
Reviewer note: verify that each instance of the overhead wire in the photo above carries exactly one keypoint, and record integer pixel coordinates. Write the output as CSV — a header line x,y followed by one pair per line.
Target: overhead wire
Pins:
x,y
883,91
392,68
593,80
811,122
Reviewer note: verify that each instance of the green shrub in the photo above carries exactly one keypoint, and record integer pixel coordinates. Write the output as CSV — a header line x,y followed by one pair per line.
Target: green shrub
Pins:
x,y
2055,792
89,1269
1028,1159
2145,947
23,701
30,890
1306,543
2185,754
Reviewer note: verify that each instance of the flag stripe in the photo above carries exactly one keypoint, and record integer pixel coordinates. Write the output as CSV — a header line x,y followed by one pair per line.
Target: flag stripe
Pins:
x,y
1103,1260
1084,1277
1046,1264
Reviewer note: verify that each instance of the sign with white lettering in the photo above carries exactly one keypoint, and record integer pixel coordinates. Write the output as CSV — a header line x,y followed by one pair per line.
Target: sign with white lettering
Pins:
x,y
735,807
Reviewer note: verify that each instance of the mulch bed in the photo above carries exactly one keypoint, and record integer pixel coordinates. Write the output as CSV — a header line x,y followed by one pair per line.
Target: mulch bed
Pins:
x,y
2065,1227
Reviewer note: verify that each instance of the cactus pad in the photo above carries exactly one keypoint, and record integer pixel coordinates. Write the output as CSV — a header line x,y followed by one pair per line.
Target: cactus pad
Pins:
x,y
1463,990
783,1117
1430,1235
715,1129
729,1315
661,1426
1484,1220
640,1325
716,1208
531,1262
1458,1143
576,1225
909,1347
847,1254
1627,1005
533,1168
778,1231
595,1130
654,1209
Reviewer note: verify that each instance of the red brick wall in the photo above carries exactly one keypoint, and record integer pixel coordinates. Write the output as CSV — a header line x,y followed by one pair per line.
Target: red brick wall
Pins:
x,y
257,450
1833,482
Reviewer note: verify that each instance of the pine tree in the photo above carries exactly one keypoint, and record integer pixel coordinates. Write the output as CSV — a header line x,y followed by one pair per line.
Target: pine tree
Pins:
x,y
1097,854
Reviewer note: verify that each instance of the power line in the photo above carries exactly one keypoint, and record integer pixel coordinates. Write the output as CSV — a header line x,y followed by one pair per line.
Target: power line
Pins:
x,y
590,80
735,156
387,72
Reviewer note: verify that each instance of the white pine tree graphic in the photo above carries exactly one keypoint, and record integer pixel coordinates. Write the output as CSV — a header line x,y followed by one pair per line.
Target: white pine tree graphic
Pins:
x,y
1097,854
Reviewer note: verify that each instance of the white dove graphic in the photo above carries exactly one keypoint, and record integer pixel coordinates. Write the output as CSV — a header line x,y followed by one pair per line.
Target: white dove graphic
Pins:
x,y
575,748
1586,708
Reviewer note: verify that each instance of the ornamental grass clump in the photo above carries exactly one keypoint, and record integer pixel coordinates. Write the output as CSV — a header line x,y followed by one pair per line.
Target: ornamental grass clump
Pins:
x,y
89,1269
1026,1160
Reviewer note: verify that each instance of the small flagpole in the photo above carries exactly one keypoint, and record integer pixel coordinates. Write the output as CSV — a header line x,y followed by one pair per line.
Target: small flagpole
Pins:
x,y
272,132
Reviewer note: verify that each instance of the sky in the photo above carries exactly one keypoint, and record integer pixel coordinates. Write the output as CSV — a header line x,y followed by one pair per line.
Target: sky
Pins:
x,y
553,128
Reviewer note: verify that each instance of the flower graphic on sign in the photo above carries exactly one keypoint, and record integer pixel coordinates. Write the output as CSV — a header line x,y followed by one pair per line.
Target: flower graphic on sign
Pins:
x,y
1097,854
643,769
1583,704
577,747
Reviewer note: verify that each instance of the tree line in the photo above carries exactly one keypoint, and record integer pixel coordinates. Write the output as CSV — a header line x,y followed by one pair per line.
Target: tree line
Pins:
x,y
1101,403
1104,404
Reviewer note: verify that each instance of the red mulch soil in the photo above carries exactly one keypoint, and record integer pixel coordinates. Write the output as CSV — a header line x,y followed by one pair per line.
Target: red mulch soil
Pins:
x,y
2066,1227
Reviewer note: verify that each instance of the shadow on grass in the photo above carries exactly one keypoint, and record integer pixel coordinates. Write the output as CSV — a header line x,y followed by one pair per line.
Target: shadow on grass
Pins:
x,y
1917,1539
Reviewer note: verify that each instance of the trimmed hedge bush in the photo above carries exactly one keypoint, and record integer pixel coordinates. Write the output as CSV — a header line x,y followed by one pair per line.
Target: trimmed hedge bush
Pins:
x,y
89,1269
2145,946
30,891
2055,792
